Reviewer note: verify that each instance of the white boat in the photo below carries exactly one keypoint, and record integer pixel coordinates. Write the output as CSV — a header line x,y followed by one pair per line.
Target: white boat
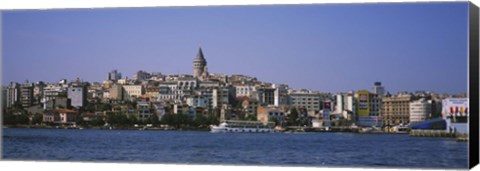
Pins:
x,y
243,126
401,129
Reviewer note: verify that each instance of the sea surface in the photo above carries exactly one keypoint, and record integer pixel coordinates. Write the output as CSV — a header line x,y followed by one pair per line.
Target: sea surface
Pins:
x,y
269,149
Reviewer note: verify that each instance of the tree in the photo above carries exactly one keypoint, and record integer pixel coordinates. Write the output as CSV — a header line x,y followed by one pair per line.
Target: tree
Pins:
x,y
9,119
154,119
212,120
274,119
293,117
106,107
22,119
200,120
251,118
97,121
37,118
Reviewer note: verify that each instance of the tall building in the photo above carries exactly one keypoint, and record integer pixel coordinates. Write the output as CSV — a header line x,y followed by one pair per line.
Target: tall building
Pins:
x,y
420,110
396,109
199,65
378,89
280,95
13,94
345,103
368,108
114,75
26,94
38,92
141,76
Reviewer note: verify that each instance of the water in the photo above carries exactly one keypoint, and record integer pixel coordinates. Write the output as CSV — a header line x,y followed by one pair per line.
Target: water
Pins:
x,y
194,147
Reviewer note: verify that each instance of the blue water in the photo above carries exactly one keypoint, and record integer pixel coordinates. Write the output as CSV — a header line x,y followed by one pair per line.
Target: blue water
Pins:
x,y
195,147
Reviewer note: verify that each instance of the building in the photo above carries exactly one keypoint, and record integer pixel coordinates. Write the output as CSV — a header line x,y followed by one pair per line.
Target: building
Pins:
x,y
455,107
267,114
132,91
141,76
245,91
26,94
152,92
144,112
4,98
346,105
199,65
369,106
249,105
38,92
378,89
52,91
116,92
198,101
265,95
114,75
280,95
396,109
60,116
169,91
222,95
456,112
13,94
309,100
77,93
59,102
420,110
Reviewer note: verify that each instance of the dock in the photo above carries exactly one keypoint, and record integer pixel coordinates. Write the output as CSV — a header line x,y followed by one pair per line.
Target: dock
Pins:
x,y
439,133
431,133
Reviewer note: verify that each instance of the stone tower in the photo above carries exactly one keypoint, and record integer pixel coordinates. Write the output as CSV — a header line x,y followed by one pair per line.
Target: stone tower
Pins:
x,y
199,64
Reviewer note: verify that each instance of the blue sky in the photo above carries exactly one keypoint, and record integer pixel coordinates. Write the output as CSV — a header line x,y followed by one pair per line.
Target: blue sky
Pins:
x,y
331,47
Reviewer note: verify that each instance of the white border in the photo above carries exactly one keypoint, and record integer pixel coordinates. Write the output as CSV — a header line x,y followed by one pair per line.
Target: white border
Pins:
x,y
66,4
59,4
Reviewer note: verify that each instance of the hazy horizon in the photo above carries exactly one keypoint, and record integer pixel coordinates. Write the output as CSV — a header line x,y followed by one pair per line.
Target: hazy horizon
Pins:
x,y
330,48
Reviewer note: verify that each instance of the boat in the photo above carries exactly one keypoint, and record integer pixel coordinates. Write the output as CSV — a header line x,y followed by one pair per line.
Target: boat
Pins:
x,y
243,127
401,129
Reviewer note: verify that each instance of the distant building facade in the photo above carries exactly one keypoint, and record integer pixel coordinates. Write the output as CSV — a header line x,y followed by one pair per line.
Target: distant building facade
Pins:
x,y
77,93
396,109
369,108
420,110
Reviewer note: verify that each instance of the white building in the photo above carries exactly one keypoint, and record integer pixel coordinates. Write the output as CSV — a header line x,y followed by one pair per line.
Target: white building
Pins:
x,y
197,101
13,94
245,91
280,95
130,91
77,95
346,105
378,89
52,91
420,109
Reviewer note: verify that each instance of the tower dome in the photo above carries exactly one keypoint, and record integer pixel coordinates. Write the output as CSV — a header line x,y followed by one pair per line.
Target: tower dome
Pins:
x,y
199,64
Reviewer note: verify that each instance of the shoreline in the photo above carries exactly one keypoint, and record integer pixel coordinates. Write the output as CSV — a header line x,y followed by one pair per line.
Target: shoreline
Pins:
x,y
103,128
310,130
463,138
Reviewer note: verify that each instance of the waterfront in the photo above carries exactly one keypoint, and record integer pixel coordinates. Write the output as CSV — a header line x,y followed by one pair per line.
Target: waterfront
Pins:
x,y
197,147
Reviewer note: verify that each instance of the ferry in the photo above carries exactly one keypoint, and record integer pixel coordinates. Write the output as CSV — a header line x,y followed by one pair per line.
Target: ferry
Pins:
x,y
243,126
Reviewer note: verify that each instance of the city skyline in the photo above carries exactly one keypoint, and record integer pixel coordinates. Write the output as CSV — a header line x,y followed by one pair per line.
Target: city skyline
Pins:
x,y
348,48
